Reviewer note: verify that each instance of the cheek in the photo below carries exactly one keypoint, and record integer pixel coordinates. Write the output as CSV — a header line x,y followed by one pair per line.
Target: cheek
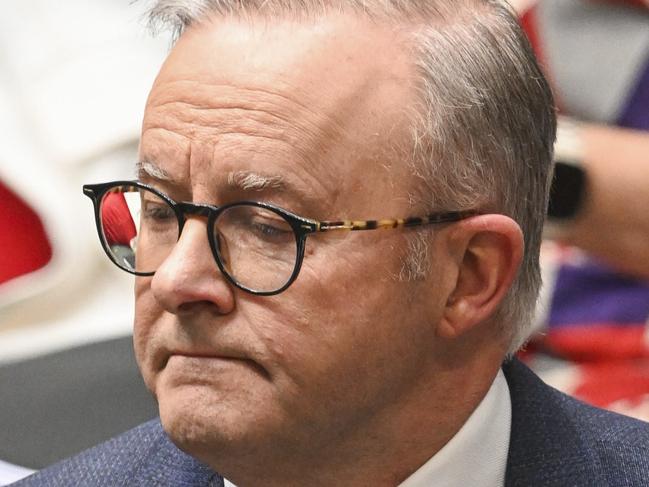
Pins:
x,y
147,313
338,341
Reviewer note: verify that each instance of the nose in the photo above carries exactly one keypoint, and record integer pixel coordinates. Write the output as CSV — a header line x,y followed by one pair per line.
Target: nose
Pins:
x,y
189,278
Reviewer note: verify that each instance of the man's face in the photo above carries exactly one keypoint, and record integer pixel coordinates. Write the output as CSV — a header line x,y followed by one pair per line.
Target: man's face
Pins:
x,y
308,116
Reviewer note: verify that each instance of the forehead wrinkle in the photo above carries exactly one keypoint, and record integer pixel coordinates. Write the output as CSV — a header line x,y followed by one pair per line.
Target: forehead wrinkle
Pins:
x,y
194,110
203,87
192,121
163,154
220,105
230,127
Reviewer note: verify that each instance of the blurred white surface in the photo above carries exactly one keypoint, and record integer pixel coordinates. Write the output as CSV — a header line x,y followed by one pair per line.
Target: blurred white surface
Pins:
x,y
522,5
11,473
74,77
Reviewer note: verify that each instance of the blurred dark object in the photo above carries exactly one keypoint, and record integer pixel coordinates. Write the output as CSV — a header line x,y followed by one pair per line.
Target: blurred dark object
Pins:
x,y
57,405
567,191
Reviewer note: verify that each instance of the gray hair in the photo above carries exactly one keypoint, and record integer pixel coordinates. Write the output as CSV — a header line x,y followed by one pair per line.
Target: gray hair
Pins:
x,y
484,126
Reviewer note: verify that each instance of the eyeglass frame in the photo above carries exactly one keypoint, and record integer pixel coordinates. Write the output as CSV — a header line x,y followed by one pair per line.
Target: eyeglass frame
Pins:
x,y
302,227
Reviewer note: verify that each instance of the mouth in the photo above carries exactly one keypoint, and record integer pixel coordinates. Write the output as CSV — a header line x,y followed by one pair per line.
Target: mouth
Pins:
x,y
207,358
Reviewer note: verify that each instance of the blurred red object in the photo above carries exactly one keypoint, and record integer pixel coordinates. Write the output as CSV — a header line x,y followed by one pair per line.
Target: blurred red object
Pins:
x,y
118,224
24,245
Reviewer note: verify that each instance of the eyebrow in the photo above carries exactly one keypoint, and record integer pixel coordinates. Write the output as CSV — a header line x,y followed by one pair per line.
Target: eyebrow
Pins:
x,y
147,169
252,181
244,180
234,180
275,185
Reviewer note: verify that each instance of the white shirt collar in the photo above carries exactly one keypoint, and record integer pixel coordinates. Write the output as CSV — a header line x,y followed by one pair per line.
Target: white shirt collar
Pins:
x,y
477,454
12,473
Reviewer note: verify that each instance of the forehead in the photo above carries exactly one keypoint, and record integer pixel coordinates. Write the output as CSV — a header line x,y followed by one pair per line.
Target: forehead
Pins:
x,y
324,102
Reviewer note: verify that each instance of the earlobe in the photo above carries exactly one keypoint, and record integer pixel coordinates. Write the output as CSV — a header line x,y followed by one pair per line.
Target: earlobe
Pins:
x,y
489,250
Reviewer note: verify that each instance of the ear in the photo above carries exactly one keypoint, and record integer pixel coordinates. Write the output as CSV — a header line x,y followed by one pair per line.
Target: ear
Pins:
x,y
487,250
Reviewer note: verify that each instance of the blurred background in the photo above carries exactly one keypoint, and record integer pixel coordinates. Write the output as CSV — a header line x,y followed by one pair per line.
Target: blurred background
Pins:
x,y
74,77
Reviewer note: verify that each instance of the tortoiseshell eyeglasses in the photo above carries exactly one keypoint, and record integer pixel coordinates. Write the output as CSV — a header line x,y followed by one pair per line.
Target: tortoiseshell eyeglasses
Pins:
x,y
257,246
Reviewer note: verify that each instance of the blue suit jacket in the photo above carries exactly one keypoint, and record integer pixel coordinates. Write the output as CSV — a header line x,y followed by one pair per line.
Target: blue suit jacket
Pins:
x,y
555,441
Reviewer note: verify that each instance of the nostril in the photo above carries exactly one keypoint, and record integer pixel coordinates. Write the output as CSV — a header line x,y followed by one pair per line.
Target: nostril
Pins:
x,y
193,294
199,307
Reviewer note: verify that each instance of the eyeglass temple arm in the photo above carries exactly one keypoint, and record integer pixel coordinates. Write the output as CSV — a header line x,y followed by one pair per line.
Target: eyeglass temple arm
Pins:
x,y
351,225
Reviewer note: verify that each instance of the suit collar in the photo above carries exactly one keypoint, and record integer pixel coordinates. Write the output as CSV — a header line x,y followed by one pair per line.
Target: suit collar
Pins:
x,y
546,446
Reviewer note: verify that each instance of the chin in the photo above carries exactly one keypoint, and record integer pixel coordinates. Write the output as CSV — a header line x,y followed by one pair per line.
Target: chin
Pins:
x,y
192,414
209,426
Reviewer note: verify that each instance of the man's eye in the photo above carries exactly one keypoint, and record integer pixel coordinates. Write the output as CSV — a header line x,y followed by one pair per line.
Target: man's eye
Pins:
x,y
158,212
255,226
270,230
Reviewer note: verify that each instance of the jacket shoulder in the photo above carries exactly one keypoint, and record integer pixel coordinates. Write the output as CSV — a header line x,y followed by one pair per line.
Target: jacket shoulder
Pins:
x,y
141,456
619,443
558,440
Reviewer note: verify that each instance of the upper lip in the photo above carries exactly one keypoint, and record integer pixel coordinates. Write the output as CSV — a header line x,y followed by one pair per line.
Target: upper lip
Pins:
x,y
211,354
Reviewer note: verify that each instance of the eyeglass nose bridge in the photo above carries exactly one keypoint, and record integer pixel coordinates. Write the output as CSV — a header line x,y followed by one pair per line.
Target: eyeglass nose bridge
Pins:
x,y
185,209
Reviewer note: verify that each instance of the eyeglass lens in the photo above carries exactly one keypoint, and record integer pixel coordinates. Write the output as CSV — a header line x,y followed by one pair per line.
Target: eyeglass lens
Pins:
x,y
257,247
